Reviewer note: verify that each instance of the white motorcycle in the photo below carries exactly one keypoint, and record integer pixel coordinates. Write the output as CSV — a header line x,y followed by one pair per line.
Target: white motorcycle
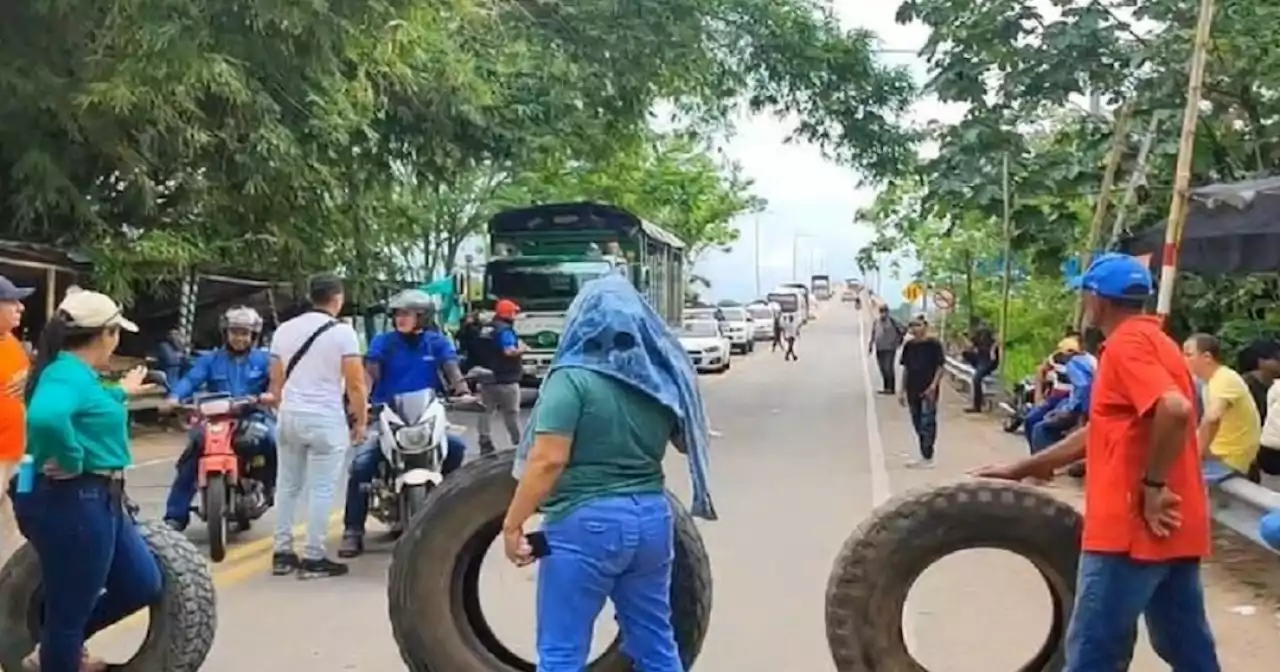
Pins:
x,y
412,435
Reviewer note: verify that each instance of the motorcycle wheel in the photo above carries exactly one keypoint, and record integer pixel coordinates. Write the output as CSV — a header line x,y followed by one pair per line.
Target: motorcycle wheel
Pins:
x,y
181,623
215,516
415,499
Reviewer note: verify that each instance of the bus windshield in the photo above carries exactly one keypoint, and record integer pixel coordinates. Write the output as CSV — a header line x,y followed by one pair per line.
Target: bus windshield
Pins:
x,y
547,285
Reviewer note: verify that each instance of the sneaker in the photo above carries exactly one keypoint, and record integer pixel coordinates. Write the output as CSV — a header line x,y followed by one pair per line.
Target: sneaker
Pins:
x,y
283,563
88,663
920,464
352,545
321,569
175,524
487,447
973,410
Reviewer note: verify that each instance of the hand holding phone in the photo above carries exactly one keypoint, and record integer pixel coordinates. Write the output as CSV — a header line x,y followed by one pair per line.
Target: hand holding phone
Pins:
x,y
538,544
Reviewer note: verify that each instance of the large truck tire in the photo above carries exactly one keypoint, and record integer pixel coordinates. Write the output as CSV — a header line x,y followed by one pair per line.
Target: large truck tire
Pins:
x,y
868,586
182,624
433,587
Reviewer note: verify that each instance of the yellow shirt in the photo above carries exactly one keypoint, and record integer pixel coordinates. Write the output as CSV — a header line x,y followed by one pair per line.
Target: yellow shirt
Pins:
x,y
1240,430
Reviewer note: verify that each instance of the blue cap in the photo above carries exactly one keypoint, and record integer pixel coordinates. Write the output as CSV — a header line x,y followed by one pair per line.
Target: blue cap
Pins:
x,y
1115,276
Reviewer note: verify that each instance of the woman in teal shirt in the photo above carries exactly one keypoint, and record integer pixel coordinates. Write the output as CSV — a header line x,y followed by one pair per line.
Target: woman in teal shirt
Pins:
x,y
97,569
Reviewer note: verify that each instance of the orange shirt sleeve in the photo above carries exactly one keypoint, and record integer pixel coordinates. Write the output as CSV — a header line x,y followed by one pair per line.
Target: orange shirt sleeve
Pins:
x,y
1137,375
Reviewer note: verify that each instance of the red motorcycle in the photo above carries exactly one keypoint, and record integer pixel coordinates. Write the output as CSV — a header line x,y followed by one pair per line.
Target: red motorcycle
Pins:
x,y
230,474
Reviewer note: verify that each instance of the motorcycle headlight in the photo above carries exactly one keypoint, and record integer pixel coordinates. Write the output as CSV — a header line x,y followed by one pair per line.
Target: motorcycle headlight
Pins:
x,y
416,438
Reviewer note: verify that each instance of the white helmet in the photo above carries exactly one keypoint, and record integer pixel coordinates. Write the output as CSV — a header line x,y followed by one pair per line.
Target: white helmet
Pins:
x,y
242,317
414,300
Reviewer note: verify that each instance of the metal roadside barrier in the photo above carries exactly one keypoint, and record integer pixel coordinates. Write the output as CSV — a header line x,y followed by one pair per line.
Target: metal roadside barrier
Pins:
x,y
1239,504
1236,503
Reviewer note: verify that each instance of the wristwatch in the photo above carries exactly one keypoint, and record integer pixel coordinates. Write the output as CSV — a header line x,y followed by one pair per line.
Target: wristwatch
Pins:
x,y
1148,482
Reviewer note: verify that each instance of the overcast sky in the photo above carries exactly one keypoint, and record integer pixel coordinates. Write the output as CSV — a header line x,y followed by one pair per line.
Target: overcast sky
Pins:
x,y
812,201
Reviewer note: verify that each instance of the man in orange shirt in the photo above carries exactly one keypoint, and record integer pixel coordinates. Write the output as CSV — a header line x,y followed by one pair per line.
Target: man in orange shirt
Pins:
x,y
13,377
1146,520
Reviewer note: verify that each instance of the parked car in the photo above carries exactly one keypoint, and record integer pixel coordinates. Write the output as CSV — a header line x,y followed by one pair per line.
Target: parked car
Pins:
x,y
848,296
716,314
738,328
762,315
706,345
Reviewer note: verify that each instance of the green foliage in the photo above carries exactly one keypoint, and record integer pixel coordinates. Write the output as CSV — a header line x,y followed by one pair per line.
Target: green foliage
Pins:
x,y
278,138
1023,69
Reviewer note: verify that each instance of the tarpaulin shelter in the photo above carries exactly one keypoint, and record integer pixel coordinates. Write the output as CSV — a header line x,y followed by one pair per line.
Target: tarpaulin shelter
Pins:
x,y
1231,229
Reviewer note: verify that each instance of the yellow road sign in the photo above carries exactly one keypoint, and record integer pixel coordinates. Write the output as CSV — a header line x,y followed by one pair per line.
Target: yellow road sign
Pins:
x,y
913,292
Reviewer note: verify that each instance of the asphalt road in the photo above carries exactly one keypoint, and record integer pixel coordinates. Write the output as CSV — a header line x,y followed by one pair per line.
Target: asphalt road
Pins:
x,y
805,451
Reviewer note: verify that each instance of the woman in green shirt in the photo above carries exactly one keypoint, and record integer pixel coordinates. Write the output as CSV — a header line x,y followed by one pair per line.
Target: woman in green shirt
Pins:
x,y
96,567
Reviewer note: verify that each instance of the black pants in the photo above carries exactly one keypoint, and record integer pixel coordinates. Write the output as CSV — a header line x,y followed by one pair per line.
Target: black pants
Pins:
x,y
791,349
1268,461
982,368
884,360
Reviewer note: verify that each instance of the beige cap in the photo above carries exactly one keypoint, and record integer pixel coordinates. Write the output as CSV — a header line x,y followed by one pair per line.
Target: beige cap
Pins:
x,y
94,310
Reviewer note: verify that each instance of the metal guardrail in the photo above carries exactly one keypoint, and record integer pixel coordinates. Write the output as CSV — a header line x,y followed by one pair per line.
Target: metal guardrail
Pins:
x,y
1237,503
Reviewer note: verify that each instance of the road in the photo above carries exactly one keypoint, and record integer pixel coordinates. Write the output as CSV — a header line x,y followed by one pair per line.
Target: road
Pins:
x,y
806,450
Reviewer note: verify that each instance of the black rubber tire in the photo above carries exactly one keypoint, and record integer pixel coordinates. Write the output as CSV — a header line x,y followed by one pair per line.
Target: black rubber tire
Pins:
x,y
182,624
868,586
215,516
433,595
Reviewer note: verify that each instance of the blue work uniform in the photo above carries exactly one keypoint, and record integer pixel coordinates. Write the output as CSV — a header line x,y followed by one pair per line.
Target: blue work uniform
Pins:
x,y
1078,372
221,372
406,363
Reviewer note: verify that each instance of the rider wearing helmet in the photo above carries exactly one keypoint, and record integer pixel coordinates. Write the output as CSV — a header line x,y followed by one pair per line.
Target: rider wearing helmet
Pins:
x,y
415,356
238,368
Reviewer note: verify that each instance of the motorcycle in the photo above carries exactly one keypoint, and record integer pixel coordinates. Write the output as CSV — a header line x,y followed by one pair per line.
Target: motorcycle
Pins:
x,y
413,440
227,472
1020,403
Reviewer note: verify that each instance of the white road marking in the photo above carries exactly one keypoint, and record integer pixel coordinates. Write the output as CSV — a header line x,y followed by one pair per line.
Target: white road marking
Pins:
x,y
881,491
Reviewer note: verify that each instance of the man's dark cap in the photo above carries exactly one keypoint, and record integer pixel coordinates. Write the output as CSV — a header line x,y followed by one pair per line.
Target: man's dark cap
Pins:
x,y
12,292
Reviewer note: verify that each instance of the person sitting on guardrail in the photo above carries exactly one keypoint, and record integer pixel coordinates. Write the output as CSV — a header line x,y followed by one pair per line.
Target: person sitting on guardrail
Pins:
x,y
983,355
1146,523
1053,387
1259,362
1230,430
619,390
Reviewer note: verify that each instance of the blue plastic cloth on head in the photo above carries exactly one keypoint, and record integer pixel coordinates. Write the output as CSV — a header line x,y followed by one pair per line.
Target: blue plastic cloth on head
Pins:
x,y
1269,529
612,330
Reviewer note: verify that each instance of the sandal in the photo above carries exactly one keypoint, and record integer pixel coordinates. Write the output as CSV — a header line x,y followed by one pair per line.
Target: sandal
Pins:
x,y
88,663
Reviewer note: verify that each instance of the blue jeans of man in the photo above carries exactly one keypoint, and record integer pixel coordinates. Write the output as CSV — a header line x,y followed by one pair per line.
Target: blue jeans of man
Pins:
x,y
364,466
1035,420
619,548
1113,590
97,569
924,419
177,506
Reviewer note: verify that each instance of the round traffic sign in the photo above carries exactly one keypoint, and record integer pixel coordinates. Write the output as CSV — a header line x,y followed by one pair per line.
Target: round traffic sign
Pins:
x,y
913,292
944,299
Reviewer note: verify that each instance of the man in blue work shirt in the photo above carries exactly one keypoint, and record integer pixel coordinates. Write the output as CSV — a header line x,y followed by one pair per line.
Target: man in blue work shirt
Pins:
x,y
501,393
411,358
239,369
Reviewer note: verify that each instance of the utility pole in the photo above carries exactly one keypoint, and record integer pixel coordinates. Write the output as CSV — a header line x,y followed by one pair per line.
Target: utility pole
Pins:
x,y
757,250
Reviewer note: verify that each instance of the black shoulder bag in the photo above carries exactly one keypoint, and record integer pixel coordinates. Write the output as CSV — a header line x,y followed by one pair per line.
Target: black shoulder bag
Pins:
x,y
306,346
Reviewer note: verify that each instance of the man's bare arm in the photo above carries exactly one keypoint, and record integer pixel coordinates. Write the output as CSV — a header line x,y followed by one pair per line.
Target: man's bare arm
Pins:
x,y
357,394
275,381
1209,424
1168,433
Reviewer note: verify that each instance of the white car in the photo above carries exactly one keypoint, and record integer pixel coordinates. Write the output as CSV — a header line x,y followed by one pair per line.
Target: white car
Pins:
x,y
738,328
761,321
705,345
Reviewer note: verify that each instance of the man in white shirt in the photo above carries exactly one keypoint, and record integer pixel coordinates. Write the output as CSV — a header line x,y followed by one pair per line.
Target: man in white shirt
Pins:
x,y
790,332
315,359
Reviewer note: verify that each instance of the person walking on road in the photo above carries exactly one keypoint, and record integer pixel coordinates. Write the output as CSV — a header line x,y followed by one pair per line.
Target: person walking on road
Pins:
x,y
1230,428
791,332
1146,526
620,389
315,358
886,338
96,567
501,393
777,331
922,365
14,366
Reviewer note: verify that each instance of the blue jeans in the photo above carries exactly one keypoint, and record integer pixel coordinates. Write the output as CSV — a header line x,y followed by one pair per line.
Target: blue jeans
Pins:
x,y
365,466
313,449
618,548
924,419
1112,591
177,506
96,567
